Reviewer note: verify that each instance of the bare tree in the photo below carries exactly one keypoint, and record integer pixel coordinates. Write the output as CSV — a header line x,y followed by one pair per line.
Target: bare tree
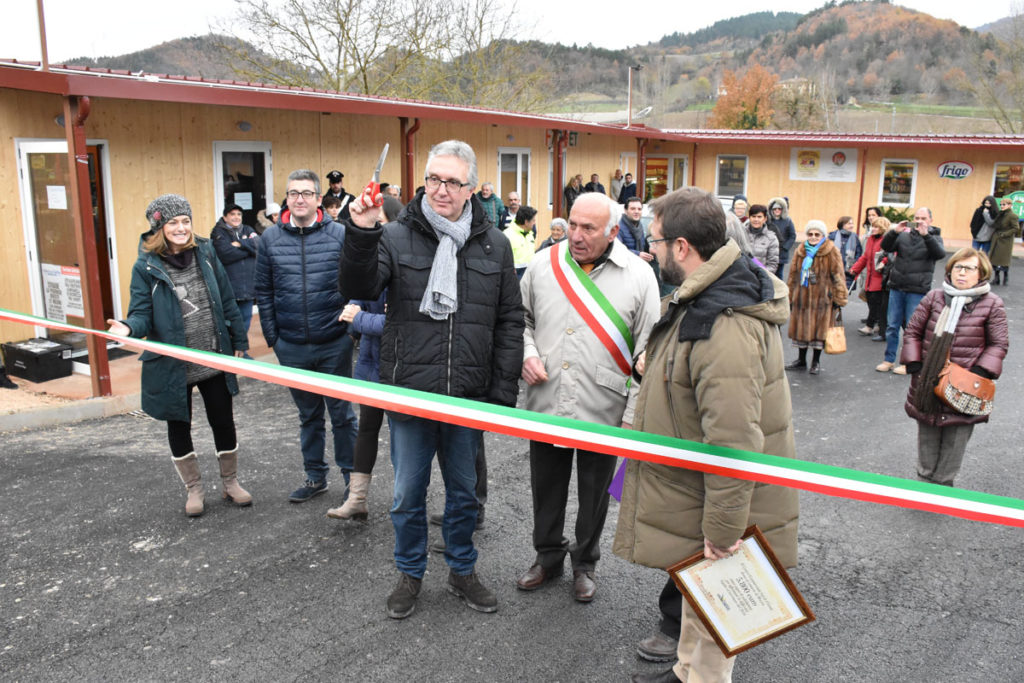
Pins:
x,y
996,73
401,48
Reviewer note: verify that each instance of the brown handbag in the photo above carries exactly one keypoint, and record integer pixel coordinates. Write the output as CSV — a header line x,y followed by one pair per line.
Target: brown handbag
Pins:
x,y
964,391
835,335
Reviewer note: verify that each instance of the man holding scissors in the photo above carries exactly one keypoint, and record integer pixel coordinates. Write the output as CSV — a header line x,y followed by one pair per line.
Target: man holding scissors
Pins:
x,y
454,326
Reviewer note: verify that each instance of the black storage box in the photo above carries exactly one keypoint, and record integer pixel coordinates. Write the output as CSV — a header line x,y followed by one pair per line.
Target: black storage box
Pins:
x,y
37,360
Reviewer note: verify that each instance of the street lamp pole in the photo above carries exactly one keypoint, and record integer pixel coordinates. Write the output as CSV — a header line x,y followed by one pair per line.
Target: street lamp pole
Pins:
x,y
629,96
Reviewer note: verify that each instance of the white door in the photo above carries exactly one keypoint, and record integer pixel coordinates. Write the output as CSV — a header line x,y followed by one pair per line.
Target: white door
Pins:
x,y
243,174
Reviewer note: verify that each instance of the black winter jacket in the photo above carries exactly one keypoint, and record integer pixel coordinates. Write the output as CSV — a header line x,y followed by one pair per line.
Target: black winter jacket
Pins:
x,y
914,267
240,262
477,353
297,282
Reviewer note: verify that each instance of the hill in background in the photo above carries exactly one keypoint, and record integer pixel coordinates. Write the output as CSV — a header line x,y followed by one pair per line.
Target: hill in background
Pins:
x,y
850,54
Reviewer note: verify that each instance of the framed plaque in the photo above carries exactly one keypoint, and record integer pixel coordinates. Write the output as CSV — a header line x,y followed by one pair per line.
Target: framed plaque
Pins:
x,y
744,599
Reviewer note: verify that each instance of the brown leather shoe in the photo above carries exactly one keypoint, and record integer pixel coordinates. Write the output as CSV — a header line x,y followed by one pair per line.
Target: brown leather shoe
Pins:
x,y
536,576
583,586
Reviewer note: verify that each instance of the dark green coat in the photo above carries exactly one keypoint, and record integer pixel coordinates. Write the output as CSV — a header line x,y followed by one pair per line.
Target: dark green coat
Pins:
x,y
1005,229
154,313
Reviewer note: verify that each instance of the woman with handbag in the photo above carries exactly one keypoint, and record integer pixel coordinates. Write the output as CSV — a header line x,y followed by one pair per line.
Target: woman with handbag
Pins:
x,y
962,323
817,286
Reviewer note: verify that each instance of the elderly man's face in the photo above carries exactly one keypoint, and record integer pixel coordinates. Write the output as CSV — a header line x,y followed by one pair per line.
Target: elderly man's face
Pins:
x,y
513,202
557,231
587,223
486,191
923,218
447,202
394,191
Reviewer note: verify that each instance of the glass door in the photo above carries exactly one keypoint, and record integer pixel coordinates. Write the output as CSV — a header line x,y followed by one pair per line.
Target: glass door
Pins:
x,y
243,175
54,271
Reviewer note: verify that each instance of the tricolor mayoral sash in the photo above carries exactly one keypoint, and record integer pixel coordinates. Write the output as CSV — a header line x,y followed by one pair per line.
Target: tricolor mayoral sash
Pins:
x,y
593,306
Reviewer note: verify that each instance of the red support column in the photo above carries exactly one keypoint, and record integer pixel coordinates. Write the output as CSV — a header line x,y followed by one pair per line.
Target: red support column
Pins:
x,y
641,168
76,111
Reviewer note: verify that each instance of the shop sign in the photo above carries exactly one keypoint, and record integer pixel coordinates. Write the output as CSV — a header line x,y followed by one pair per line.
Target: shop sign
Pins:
x,y
955,170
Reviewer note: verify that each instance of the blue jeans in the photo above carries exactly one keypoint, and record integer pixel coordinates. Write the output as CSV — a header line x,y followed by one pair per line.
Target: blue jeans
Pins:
x,y
414,441
901,307
981,246
333,358
245,308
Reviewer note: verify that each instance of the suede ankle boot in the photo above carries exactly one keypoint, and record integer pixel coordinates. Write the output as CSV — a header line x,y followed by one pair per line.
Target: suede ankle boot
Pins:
x,y
355,507
188,470
229,478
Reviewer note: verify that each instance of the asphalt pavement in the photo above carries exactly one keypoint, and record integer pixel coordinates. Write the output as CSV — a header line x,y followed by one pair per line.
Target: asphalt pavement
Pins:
x,y
102,577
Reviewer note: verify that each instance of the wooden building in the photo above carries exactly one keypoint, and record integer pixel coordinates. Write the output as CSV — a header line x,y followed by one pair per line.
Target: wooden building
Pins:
x,y
72,228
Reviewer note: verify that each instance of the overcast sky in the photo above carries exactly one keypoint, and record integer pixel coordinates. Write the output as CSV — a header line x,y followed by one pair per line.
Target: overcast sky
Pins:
x,y
96,28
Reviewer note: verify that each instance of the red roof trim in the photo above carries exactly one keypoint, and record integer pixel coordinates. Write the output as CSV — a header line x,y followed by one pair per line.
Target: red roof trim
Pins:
x,y
73,80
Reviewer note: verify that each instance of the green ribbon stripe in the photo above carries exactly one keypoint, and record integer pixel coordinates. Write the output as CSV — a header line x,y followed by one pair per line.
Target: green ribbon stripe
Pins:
x,y
601,300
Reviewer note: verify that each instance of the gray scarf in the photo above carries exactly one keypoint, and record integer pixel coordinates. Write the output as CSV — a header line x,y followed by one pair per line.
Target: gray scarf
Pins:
x,y
441,297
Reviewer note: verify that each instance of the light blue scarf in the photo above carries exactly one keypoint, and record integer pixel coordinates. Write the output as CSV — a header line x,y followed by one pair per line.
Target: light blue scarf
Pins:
x,y
805,269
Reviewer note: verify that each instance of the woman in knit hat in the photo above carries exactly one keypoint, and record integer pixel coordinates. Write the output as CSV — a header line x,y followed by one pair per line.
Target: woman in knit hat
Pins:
x,y
180,294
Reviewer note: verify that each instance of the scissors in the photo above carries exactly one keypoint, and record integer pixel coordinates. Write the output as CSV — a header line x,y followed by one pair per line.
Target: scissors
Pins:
x,y
374,185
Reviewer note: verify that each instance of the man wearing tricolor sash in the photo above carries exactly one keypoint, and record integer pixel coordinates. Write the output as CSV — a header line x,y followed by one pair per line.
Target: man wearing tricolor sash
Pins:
x,y
713,374
589,306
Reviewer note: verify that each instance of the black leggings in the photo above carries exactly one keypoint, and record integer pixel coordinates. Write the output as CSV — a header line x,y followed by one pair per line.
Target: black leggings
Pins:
x,y
370,420
217,399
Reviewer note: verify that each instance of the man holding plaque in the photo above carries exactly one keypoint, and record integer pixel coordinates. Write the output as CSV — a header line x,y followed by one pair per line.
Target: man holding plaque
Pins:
x,y
714,373
589,306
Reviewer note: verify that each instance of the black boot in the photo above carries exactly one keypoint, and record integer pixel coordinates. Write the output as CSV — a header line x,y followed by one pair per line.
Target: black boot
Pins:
x,y
801,360
1006,275
815,365
5,381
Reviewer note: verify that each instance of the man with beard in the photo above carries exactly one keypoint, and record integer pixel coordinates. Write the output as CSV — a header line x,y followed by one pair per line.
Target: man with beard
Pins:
x,y
713,373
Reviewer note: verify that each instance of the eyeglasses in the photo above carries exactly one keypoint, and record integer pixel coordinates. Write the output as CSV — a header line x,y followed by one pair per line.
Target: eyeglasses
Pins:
x,y
305,194
964,267
452,185
654,240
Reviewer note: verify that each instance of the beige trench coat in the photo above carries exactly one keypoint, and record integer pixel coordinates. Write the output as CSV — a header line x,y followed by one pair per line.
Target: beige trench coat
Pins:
x,y
584,381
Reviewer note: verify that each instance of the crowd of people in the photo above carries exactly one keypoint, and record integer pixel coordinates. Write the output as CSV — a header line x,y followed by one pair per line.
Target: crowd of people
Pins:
x,y
450,294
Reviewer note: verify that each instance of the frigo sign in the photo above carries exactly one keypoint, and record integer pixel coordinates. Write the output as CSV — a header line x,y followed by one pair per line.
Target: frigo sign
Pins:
x,y
955,170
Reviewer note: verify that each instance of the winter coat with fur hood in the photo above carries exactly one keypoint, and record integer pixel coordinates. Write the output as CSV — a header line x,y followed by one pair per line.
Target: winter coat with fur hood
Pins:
x,y
714,374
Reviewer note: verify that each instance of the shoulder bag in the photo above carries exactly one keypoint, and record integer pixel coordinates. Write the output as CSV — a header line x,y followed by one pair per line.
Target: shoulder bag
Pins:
x,y
964,391
835,336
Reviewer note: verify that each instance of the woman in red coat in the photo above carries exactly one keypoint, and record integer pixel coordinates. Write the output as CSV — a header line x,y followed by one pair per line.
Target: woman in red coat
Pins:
x,y
874,259
978,342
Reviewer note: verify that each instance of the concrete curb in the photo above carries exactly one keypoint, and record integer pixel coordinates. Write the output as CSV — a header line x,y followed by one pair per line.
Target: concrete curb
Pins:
x,y
88,409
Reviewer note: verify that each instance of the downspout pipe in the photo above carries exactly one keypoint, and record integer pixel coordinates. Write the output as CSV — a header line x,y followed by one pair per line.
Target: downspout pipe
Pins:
x,y
860,196
76,111
408,157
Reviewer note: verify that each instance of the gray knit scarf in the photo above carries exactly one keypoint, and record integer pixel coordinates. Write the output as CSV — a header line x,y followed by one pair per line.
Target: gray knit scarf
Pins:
x,y
441,297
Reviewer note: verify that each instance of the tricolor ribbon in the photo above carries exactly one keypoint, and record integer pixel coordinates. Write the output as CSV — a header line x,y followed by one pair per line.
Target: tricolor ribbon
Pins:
x,y
561,431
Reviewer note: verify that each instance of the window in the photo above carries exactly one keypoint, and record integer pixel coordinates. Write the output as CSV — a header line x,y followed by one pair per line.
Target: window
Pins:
x,y
513,173
1008,178
663,174
896,185
732,176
